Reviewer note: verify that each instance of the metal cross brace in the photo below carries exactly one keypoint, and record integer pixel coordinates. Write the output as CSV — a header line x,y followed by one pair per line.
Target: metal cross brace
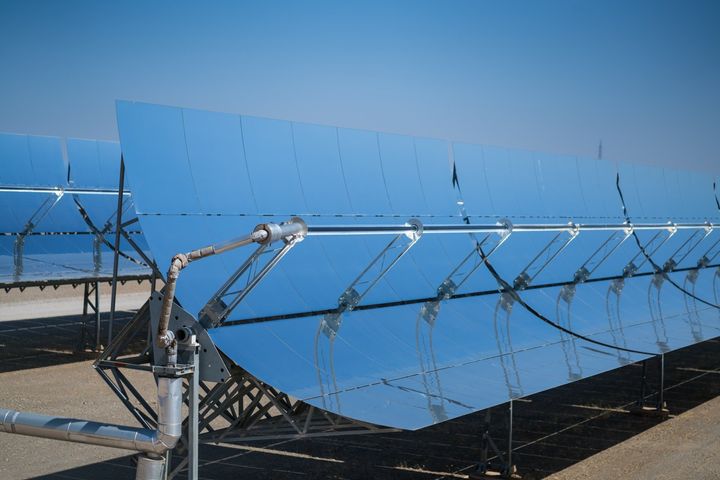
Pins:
x,y
551,250
217,310
45,208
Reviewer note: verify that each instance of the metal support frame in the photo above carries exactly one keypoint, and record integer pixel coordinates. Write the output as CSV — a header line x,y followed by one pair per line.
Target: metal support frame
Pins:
x,y
91,303
245,409
116,257
370,276
100,237
216,310
651,247
37,216
601,254
706,259
500,464
687,247
659,408
121,232
544,257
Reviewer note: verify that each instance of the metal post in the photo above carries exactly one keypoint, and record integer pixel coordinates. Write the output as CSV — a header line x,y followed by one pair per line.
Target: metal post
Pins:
x,y
193,414
168,465
85,299
661,392
83,330
97,316
643,383
658,410
116,257
509,466
485,444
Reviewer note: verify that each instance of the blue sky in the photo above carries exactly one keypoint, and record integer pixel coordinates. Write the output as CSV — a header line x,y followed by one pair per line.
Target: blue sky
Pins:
x,y
555,76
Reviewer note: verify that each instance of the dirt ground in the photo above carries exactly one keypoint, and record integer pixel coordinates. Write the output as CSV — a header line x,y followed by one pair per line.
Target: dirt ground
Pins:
x,y
66,300
687,446
72,390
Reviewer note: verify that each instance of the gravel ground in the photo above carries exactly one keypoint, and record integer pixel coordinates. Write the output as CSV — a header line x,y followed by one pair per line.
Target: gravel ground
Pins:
x,y
65,300
687,446
72,390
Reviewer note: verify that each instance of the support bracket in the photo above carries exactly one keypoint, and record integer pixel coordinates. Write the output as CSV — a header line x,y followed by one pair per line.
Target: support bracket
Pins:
x,y
551,250
212,368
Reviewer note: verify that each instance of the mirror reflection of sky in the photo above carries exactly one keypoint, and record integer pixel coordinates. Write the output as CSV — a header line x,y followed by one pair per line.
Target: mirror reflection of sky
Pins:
x,y
550,76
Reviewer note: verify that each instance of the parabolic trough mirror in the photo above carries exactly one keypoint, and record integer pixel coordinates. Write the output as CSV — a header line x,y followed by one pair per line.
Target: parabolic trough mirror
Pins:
x,y
396,282
58,200
409,328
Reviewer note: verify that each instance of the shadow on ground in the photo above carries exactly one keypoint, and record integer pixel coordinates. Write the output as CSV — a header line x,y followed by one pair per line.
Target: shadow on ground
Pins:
x,y
52,341
552,430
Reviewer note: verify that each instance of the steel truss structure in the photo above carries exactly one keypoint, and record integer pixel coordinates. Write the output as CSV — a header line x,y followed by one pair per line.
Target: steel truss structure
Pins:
x,y
239,409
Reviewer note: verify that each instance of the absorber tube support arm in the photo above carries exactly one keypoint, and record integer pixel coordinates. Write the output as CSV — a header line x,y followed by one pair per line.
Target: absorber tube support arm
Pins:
x,y
264,234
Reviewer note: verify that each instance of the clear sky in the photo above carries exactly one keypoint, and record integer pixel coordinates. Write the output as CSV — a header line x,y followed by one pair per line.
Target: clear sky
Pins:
x,y
555,75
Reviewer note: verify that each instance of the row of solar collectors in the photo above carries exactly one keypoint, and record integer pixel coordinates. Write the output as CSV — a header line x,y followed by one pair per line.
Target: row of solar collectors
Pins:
x,y
408,358
55,194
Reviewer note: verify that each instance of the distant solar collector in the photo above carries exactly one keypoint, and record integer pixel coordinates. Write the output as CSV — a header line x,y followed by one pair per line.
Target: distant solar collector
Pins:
x,y
57,205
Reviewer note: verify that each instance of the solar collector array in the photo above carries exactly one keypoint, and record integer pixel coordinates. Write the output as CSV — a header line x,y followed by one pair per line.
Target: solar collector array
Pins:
x,y
43,184
200,177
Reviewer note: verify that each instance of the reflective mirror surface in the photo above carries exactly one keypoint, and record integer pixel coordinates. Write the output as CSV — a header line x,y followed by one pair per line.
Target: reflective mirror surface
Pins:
x,y
588,265
58,199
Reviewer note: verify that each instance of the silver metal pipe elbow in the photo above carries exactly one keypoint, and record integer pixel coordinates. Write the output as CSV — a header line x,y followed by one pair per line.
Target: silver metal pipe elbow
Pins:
x,y
158,441
169,428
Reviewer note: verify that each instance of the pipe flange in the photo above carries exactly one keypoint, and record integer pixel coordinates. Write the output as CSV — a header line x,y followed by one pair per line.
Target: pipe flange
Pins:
x,y
417,229
300,236
507,226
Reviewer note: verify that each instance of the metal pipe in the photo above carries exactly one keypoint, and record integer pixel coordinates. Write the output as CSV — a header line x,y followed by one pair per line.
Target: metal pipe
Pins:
x,y
319,230
59,190
146,440
149,468
264,233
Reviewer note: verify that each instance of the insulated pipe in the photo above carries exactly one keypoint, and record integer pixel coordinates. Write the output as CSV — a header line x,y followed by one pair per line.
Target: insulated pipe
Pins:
x,y
149,468
155,442
264,233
